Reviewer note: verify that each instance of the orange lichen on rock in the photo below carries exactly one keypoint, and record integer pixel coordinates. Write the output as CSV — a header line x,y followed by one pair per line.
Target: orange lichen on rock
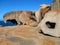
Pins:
x,y
55,10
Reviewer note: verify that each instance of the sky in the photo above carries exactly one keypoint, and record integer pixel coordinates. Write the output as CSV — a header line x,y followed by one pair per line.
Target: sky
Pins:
x,y
15,5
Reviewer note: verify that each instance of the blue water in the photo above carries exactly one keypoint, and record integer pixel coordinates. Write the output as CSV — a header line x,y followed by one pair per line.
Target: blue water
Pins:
x,y
6,24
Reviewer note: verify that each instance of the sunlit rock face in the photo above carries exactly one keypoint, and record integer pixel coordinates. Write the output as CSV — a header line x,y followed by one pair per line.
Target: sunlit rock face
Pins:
x,y
44,8
51,23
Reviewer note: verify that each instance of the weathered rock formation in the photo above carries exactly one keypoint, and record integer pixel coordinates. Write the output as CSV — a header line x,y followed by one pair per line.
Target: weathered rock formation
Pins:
x,y
55,5
18,17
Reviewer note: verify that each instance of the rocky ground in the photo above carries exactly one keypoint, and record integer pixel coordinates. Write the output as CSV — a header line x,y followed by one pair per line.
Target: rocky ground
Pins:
x,y
25,35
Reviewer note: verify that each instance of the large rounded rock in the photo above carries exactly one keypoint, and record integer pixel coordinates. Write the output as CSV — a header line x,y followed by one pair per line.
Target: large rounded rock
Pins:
x,y
50,24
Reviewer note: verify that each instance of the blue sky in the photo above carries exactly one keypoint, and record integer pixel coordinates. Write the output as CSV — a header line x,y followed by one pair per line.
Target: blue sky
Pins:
x,y
14,5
